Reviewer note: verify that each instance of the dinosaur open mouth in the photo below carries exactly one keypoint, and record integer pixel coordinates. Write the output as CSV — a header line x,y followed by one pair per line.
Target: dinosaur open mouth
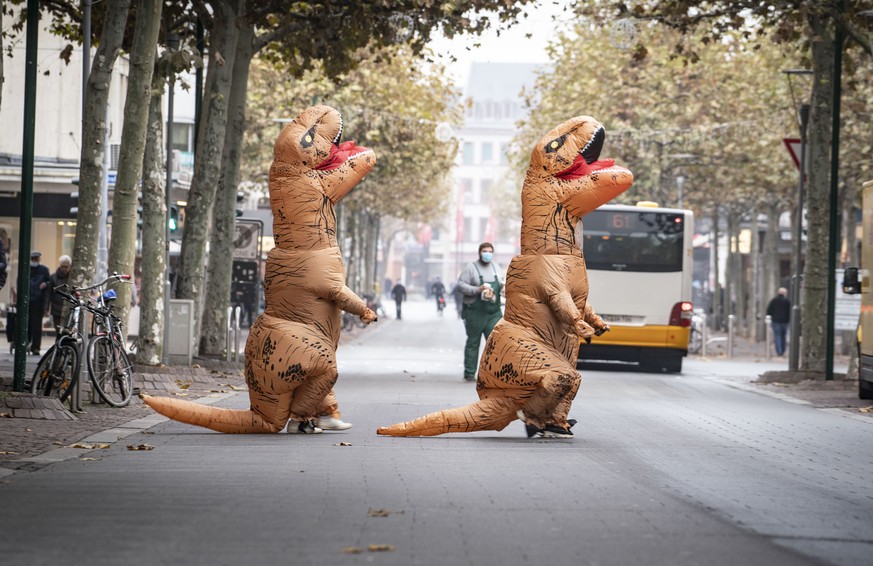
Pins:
x,y
587,161
340,153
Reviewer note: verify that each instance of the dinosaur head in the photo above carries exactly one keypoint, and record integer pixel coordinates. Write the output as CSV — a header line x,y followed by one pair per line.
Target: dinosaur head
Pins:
x,y
312,143
570,156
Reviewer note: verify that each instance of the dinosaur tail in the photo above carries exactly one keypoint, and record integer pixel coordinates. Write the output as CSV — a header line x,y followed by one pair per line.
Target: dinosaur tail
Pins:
x,y
215,418
485,414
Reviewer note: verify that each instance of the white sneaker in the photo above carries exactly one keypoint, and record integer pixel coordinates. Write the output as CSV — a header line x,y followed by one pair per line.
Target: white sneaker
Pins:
x,y
333,423
303,427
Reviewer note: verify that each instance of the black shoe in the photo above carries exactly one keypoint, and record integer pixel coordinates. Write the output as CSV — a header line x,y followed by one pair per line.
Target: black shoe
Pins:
x,y
303,427
551,431
469,378
570,423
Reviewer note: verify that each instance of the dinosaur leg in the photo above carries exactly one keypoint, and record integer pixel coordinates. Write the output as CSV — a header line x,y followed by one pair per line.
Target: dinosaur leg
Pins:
x,y
215,418
310,395
329,407
550,402
485,414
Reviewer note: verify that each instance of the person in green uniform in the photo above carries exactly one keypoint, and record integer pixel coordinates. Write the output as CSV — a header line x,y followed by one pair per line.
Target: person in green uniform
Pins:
x,y
481,286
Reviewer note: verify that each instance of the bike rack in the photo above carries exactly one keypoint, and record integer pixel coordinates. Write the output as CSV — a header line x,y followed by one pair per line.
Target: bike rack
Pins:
x,y
233,334
730,338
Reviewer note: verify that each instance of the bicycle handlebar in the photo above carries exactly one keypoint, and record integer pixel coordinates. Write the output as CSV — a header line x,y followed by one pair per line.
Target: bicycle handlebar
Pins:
x,y
125,278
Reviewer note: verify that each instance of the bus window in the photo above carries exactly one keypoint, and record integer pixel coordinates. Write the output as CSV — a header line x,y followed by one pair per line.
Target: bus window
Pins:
x,y
649,242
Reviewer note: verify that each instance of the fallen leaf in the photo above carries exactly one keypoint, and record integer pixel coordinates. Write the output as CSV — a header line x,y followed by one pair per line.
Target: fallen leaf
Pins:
x,y
87,459
5,416
352,550
140,447
184,385
178,394
235,388
866,409
9,453
28,430
83,446
380,547
57,443
195,366
218,390
378,512
343,444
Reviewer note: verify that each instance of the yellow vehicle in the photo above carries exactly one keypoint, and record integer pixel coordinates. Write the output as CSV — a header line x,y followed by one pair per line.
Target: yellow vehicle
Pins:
x,y
858,281
639,261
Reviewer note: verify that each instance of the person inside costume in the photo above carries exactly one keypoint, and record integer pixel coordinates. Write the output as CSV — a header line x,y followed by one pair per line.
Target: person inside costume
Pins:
x,y
528,367
480,285
290,354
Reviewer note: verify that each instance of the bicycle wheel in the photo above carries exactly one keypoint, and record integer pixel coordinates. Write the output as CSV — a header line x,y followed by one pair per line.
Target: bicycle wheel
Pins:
x,y
110,371
57,372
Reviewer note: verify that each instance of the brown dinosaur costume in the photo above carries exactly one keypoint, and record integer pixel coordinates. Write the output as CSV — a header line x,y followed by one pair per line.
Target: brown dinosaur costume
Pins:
x,y
290,355
528,368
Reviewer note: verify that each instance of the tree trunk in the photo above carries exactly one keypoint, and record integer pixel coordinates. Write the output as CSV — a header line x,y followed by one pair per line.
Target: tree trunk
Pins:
x,y
732,276
753,310
772,271
154,235
212,342
815,273
716,286
207,159
2,79
122,249
93,145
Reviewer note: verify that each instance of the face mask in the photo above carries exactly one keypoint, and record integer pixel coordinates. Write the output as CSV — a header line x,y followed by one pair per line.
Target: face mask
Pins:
x,y
34,263
486,257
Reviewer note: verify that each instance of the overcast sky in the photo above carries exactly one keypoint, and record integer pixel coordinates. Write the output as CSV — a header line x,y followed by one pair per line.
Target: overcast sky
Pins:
x,y
511,46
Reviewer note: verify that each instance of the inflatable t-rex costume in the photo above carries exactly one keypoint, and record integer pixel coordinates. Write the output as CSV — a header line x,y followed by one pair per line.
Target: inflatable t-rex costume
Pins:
x,y
528,368
290,355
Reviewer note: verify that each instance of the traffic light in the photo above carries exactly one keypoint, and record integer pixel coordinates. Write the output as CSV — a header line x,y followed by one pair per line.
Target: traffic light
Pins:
x,y
173,219
74,197
239,198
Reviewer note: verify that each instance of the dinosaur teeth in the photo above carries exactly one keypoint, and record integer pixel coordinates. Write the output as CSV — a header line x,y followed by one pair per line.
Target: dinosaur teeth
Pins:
x,y
340,132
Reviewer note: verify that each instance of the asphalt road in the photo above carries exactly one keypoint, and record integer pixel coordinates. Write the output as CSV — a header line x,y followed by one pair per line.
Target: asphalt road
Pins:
x,y
664,469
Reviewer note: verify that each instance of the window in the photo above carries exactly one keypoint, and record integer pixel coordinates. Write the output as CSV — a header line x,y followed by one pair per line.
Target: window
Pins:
x,y
468,153
182,136
468,229
485,186
487,152
633,241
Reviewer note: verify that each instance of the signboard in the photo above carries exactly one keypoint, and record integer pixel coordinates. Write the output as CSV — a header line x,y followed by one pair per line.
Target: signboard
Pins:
x,y
246,240
795,148
847,308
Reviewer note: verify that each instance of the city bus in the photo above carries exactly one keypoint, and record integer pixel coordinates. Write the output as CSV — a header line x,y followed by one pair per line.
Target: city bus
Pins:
x,y
639,261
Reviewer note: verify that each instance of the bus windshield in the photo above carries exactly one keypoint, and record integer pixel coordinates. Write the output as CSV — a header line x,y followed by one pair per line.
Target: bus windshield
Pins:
x,y
623,240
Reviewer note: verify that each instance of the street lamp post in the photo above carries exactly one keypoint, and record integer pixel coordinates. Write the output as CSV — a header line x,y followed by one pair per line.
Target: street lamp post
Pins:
x,y
796,279
172,44
680,183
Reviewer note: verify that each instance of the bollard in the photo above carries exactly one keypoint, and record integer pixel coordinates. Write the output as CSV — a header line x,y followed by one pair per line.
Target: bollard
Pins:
x,y
704,334
229,337
236,333
730,347
768,324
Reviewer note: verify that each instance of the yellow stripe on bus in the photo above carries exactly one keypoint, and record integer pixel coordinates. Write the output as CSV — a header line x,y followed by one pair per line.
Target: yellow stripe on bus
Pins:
x,y
645,336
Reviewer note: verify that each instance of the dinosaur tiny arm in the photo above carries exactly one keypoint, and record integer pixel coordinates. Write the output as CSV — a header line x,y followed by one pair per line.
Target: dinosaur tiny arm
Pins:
x,y
594,320
566,310
347,300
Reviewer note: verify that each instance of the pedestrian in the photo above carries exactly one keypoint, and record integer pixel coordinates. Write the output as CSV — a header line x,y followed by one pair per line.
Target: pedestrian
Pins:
x,y
779,311
459,299
438,290
399,294
480,285
39,304
59,278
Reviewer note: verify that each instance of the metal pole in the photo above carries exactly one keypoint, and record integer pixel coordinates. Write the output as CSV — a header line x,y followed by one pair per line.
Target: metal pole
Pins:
x,y
794,345
26,216
236,332
228,333
168,194
704,334
102,239
730,347
835,178
768,322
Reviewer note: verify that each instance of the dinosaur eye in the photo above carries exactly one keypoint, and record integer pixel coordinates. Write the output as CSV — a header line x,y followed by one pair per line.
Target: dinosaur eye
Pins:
x,y
555,144
308,137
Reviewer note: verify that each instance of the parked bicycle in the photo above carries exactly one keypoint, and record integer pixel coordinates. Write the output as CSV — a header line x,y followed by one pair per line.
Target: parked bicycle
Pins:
x,y
109,368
